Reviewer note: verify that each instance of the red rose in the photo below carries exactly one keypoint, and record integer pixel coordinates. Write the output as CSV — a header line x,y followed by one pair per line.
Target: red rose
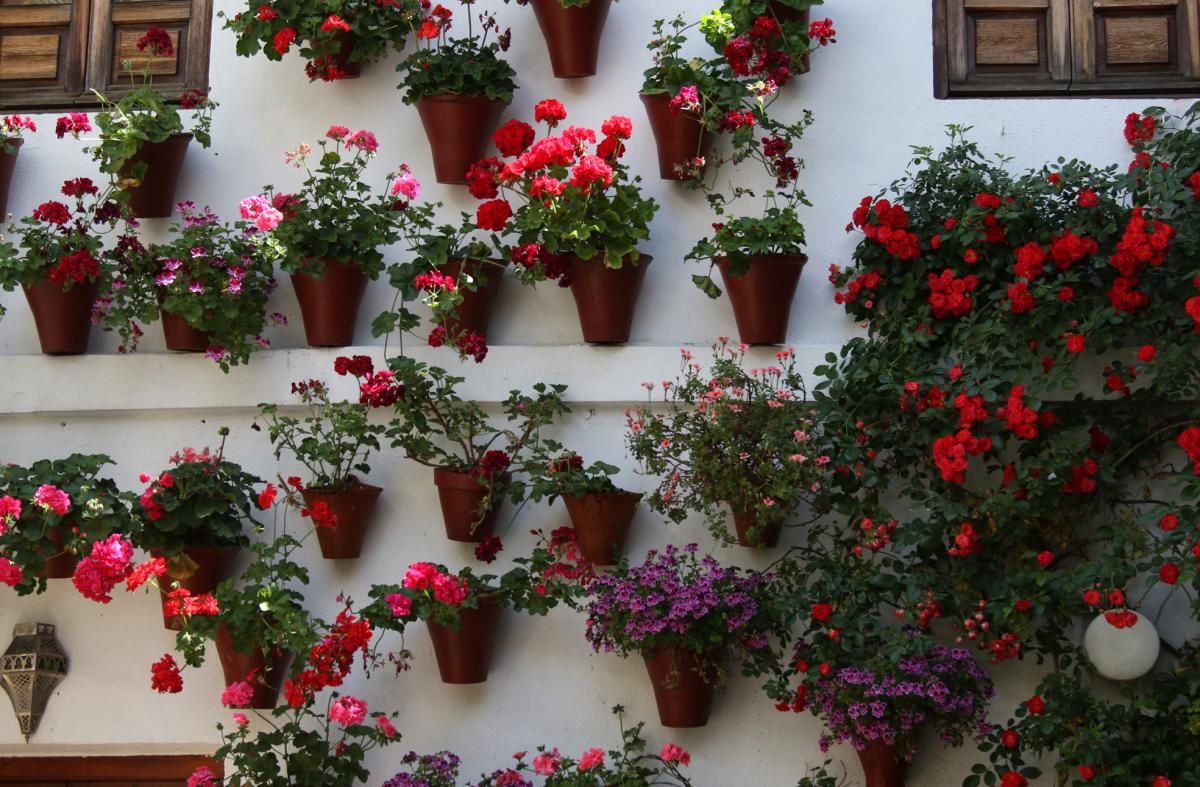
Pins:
x,y
1036,705
493,215
1053,178
1161,781
1076,343
1147,353
1010,739
1086,772
990,201
821,612
1013,779
1091,597
1023,605
1169,573
1116,598
1088,199
1045,558
970,256
1168,522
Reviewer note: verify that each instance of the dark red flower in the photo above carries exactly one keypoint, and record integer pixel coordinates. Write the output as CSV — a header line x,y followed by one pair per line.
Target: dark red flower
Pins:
x,y
487,549
158,41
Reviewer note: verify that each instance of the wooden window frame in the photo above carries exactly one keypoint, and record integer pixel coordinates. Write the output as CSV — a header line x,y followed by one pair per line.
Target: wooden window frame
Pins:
x,y
1070,51
88,64
110,769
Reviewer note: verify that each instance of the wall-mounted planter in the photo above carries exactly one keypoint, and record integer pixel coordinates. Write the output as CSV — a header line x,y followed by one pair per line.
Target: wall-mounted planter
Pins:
x,y
329,303
882,765
572,35
8,162
209,567
607,297
180,336
60,564
601,523
459,129
465,655
353,505
63,319
154,198
266,673
474,314
751,534
762,296
461,497
679,137
683,686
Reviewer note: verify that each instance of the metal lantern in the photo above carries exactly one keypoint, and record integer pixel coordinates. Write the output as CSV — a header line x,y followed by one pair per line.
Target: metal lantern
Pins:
x,y
29,670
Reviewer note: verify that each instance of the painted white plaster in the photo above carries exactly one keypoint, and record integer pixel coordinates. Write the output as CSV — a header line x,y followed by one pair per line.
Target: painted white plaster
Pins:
x,y
872,98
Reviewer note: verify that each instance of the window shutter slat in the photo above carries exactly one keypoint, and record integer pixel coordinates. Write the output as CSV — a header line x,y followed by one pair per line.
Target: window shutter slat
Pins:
x,y
1135,46
42,52
1007,46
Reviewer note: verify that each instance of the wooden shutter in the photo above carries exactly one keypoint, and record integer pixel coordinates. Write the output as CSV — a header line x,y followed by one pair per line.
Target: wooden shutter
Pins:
x,y
1136,46
1007,46
118,24
43,51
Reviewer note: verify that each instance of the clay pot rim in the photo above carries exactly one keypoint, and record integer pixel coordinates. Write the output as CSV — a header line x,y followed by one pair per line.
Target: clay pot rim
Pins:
x,y
623,493
16,142
461,98
352,484
643,260
768,259
443,472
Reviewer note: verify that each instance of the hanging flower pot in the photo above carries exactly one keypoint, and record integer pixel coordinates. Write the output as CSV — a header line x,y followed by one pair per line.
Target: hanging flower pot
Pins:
x,y
464,655
572,35
329,303
60,564
154,197
601,521
475,312
197,570
461,496
606,297
751,534
683,686
346,68
458,128
8,162
882,765
266,673
762,296
353,505
63,319
180,336
1122,644
680,137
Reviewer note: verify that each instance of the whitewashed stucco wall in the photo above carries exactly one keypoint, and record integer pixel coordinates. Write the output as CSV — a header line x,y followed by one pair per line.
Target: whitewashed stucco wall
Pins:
x,y
872,98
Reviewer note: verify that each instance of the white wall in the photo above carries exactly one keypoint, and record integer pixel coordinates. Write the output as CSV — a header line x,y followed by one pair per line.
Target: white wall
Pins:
x,y
872,98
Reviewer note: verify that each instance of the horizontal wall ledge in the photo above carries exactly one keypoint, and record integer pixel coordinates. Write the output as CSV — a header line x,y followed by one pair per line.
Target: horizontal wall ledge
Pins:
x,y
183,381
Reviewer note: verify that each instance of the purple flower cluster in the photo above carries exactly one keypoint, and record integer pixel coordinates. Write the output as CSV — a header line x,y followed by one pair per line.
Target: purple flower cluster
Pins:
x,y
427,770
673,598
945,687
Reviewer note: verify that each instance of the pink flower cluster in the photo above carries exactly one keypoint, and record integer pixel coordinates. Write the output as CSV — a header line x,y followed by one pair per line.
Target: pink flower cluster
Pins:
x,y
237,695
447,588
108,564
51,498
260,210
348,711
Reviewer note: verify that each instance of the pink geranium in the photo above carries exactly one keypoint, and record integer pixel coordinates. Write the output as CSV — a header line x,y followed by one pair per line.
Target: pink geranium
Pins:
x,y
406,185
591,758
348,711
51,498
10,573
202,777
110,562
546,763
237,695
672,752
401,604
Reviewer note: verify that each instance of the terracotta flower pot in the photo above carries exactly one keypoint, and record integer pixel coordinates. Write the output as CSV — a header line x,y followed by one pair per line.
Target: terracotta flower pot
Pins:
x,y
475,311
205,568
683,687
606,297
680,137
882,766
463,656
180,336
762,296
269,671
349,68
461,497
329,304
353,505
60,564
63,319
602,523
8,162
572,35
154,198
459,129
766,537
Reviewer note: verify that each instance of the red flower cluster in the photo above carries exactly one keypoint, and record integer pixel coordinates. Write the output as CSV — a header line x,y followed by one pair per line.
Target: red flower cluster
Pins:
x,y
514,137
157,41
493,215
888,229
266,13
321,514
1021,420
53,212
1144,243
867,281
550,111
948,295
1189,441
1069,248
875,536
822,32
1083,478
487,549
330,660
180,601
493,463
79,187
283,40
966,542
75,267
165,677
754,53
951,451
356,366
435,280
1139,129
1194,182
